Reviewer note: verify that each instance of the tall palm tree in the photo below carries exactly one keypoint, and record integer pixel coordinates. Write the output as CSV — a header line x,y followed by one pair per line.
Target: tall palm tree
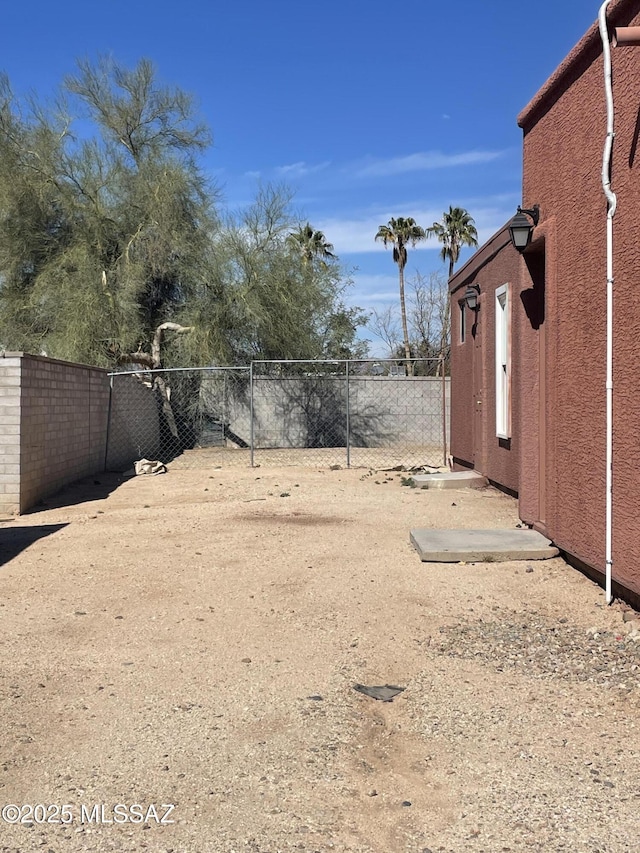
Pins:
x,y
311,244
457,229
401,232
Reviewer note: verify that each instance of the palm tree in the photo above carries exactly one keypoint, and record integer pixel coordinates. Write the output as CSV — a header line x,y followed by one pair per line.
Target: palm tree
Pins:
x,y
457,229
400,232
311,244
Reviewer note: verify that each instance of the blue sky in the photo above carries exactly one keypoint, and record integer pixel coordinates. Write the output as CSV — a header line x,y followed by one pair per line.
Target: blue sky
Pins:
x,y
367,110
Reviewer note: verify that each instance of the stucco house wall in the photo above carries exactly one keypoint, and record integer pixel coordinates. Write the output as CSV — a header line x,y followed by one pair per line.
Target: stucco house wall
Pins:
x,y
559,320
474,441
564,130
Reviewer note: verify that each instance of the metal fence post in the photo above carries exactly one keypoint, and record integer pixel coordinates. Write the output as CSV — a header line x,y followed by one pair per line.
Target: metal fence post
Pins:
x,y
224,407
444,412
346,370
251,433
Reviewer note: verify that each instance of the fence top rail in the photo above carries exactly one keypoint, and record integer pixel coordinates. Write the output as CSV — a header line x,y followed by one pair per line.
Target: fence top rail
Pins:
x,y
174,370
340,360
217,369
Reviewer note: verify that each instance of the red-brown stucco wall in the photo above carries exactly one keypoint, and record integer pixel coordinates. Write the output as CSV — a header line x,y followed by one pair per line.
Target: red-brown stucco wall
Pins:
x,y
473,420
556,460
563,143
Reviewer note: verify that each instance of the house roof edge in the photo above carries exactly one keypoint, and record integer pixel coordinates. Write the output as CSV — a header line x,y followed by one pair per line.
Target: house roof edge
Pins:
x,y
484,254
590,42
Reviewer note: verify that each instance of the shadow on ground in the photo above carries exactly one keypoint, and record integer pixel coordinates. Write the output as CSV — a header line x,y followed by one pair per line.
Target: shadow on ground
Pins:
x,y
94,488
13,540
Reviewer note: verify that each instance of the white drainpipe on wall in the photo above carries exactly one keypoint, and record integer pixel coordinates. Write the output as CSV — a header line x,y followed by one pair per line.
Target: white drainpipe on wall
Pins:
x,y
612,201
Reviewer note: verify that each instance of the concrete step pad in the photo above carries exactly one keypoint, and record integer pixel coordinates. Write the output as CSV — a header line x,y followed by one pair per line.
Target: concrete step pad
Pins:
x,y
481,546
450,480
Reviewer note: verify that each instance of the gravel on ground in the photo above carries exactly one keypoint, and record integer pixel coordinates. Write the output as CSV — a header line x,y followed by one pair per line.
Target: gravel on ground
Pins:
x,y
193,640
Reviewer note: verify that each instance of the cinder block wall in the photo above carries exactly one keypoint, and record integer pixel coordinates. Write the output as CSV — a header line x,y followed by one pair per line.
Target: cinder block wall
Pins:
x,y
10,370
384,410
54,426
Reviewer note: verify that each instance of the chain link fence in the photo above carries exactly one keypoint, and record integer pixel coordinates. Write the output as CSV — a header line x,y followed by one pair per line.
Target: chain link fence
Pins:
x,y
350,413
182,416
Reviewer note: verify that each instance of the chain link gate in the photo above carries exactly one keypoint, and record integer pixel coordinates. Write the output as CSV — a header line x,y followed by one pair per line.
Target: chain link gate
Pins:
x,y
365,413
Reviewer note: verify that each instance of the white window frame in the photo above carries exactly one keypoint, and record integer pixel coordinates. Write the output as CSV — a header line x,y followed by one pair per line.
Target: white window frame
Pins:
x,y
503,361
463,321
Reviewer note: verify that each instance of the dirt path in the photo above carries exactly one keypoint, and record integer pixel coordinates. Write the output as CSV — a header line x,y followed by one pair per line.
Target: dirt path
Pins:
x,y
193,639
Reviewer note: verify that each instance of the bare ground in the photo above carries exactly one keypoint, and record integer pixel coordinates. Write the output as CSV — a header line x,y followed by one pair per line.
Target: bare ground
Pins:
x,y
193,639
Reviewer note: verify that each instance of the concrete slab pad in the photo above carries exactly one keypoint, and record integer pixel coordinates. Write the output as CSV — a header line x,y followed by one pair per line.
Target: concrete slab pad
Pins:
x,y
481,546
450,480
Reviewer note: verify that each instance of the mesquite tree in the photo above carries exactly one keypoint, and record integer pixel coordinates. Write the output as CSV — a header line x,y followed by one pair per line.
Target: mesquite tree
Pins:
x,y
112,238
102,237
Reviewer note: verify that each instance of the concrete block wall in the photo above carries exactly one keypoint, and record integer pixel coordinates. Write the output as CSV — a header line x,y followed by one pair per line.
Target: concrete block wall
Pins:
x,y
10,372
384,410
54,426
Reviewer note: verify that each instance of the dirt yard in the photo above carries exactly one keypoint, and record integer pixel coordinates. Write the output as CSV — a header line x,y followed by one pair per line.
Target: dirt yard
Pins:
x,y
192,640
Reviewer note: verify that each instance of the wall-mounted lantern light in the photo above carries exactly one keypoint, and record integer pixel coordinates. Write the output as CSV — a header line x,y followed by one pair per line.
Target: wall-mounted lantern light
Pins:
x,y
471,296
521,229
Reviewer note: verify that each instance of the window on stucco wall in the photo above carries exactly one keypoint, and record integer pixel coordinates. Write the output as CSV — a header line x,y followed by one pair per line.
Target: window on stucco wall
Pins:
x,y
463,320
503,362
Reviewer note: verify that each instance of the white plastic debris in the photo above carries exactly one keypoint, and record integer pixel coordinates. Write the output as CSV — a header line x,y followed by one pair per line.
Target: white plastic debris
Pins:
x,y
148,466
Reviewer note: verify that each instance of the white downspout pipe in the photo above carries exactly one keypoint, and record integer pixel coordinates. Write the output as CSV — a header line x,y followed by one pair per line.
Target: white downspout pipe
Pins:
x,y
612,201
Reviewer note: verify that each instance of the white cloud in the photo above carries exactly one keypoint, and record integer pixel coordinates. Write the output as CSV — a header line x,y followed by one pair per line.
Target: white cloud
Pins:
x,y
373,290
354,235
300,169
423,161
489,220
252,174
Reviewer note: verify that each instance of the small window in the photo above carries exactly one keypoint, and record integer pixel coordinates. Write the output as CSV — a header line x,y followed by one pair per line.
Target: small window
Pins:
x,y
463,320
503,363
